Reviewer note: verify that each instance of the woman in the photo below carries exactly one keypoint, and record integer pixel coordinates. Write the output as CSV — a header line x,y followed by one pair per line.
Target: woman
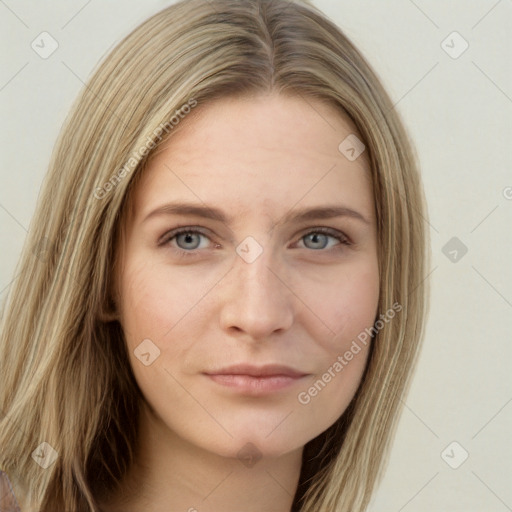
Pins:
x,y
262,368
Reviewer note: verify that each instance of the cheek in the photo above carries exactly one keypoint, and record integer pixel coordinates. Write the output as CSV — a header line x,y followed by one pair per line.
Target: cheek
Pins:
x,y
155,300
348,304
328,394
175,308
345,304
341,357
155,305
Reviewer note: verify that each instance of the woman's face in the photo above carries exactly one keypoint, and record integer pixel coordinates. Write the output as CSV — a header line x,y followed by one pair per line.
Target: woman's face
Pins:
x,y
236,331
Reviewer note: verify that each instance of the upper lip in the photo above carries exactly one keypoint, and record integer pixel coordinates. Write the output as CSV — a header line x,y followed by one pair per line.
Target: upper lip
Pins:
x,y
267,370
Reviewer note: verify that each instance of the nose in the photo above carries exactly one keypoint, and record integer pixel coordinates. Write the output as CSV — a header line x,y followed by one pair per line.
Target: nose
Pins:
x,y
256,299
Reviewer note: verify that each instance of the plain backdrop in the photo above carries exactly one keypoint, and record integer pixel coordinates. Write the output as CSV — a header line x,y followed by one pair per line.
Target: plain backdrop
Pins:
x,y
457,104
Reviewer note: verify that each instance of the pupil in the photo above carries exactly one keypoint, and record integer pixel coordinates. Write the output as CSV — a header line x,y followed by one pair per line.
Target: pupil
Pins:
x,y
188,238
314,237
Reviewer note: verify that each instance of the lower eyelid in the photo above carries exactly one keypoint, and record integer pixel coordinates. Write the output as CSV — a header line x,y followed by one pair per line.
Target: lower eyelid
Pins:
x,y
167,238
341,237
172,235
341,242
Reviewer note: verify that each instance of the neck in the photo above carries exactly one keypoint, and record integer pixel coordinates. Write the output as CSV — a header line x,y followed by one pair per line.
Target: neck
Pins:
x,y
169,473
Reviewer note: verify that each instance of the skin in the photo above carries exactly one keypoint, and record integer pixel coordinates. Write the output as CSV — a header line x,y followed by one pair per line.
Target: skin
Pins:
x,y
300,303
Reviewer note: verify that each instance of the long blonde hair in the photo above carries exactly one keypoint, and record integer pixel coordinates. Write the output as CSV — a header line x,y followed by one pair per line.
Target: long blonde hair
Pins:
x,y
66,377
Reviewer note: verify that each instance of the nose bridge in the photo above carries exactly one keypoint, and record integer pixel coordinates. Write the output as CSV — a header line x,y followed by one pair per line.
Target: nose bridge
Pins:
x,y
257,302
255,275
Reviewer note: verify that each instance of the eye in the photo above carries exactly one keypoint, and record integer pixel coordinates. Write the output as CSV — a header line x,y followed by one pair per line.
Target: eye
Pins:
x,y
186,240
318,238
190,239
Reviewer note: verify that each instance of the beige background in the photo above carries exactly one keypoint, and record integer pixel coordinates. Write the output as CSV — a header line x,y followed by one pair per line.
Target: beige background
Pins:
x,y
459,112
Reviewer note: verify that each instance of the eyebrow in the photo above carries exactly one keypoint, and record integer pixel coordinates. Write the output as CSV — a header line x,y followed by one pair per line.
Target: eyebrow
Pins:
x,y
300,215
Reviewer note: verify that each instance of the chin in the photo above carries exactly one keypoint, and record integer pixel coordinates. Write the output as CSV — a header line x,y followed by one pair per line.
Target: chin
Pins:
x,y
259,441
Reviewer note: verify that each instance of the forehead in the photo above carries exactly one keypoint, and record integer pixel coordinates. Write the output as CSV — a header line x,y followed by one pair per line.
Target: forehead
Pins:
x,y
257,153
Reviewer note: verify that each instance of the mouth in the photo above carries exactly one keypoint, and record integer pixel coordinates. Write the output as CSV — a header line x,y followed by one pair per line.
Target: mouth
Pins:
x,y
256,380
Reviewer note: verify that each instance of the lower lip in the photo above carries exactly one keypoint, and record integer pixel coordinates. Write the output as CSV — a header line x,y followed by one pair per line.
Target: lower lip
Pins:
x,y
255,385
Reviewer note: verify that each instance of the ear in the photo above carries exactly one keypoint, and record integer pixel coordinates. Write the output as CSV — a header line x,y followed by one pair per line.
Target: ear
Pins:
x,y
108,312
107,316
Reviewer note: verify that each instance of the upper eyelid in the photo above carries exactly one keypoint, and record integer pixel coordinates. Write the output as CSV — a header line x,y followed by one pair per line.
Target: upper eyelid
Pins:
x,y
169,235
333,232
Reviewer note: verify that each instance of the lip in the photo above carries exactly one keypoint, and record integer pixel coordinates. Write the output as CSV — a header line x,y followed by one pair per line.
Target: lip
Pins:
x,y
256,380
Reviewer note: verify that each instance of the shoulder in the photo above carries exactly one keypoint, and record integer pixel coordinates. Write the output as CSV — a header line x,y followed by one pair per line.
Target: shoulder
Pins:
x,y
8,501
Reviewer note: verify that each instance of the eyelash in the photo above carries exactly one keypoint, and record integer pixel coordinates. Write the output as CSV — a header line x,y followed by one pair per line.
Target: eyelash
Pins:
x,y
165,239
